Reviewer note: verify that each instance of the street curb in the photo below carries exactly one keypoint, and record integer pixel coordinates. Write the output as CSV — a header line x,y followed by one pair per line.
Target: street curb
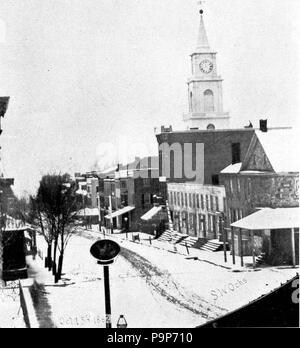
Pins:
x,y
27,306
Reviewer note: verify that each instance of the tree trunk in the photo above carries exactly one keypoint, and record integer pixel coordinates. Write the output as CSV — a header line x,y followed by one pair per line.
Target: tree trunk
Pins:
x,y
60,265
54,256
49,256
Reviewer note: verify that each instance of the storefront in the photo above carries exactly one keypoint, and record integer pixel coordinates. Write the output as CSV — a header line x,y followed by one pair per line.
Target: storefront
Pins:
x,y
271,232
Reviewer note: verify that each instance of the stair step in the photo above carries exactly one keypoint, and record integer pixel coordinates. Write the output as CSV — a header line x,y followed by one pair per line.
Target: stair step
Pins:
x,y
212,246
208,249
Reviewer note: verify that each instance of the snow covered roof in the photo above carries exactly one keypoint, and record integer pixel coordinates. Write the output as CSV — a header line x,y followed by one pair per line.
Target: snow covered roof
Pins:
x,y
151,213
119,212
270,219
12,224
281,147
232,169
88,212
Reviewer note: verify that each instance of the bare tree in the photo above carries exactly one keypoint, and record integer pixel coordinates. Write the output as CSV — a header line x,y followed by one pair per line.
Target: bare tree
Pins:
x,y
56,207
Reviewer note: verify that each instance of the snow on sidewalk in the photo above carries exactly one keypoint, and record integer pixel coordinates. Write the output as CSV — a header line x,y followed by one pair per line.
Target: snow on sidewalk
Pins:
x,y
222,284
78,301
152,286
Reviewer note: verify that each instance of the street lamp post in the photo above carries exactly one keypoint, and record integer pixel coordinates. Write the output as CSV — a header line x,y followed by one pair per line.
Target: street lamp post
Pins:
x,y
106,251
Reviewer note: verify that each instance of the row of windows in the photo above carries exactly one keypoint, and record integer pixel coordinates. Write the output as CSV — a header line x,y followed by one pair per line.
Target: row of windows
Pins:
x,y
195,224
235,185
194,200
235,215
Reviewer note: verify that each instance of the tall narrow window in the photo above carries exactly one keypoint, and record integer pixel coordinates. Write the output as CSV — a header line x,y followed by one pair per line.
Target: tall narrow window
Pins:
x,y
217,204
191,101
202,202
215,180
208,101
236,153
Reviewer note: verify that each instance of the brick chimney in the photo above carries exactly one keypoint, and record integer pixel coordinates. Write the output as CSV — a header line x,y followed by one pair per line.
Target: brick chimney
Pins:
x,y
263,125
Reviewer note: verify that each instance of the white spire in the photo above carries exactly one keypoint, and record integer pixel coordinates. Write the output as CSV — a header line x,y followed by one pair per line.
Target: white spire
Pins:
x,y
202,42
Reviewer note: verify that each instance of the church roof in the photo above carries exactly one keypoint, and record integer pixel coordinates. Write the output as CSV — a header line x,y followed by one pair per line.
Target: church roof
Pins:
x,y
202,42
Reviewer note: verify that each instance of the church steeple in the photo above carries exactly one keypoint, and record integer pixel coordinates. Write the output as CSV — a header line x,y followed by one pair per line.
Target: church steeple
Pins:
x,y
205,87
202,42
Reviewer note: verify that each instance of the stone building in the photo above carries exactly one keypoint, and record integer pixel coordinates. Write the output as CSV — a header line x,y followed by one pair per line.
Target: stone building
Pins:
x,y
268,177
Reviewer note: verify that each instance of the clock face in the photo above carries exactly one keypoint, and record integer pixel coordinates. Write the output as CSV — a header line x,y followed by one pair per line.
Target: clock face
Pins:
x,y
206,66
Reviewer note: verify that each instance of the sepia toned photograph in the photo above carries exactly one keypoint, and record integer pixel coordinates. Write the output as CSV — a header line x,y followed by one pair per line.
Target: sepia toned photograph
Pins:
x,y
149,166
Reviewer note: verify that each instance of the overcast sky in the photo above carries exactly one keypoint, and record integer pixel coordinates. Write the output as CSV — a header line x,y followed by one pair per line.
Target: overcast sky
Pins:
x,y
85,73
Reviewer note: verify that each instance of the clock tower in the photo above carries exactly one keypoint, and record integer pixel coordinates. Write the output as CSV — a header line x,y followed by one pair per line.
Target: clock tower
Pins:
x,y
205,88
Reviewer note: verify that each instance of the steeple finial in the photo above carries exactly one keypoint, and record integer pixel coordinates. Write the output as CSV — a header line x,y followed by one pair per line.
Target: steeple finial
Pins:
x,y
202,43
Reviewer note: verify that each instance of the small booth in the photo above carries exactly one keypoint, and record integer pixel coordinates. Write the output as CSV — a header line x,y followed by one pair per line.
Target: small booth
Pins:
x,y
18,241
273,233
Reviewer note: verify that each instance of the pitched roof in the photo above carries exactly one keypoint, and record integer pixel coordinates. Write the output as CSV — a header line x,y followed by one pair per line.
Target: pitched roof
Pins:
x,y
232,169
270,219
281,147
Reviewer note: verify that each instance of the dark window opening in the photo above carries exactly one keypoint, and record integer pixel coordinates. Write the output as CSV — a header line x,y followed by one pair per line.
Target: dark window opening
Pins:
x,y
215,180
236,153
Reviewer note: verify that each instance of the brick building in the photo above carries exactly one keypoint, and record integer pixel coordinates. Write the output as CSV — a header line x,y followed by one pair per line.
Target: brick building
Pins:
x,y
268,177
220,149
131,193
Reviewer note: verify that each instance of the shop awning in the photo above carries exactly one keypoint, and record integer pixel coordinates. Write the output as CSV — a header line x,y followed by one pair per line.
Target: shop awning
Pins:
x,y
120,212
270,219
151,213
88,212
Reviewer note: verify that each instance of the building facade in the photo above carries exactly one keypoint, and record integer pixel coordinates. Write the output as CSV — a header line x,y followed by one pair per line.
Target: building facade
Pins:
x,y
178,153
130,194
267,178
6,193
197,210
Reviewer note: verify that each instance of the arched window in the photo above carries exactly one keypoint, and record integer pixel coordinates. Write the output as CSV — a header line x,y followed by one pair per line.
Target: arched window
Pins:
x,y
211,127
208,101
191,101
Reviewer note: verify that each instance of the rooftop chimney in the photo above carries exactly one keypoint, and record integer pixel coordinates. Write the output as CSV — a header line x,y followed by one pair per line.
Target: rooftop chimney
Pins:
x,y
166,129
263,125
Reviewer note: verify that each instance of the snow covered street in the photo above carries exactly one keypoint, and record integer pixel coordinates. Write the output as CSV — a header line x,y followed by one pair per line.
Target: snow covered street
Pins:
x,y
151,287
